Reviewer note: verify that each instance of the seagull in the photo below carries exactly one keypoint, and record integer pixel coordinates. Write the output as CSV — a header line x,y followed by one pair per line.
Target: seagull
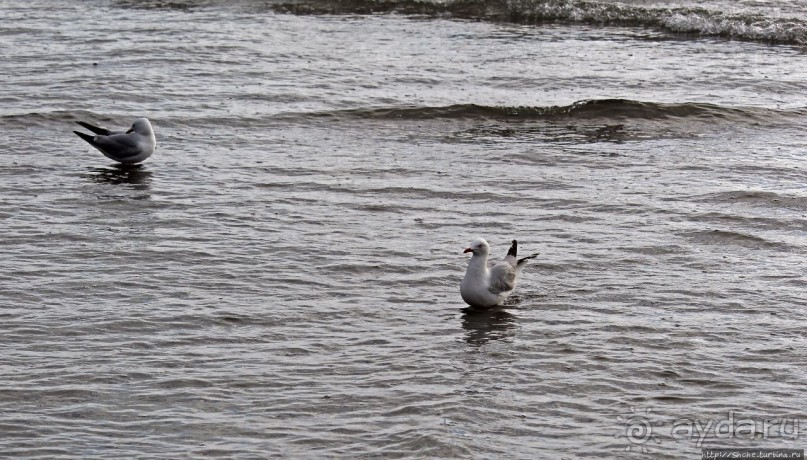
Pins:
x,y
487,284
133,146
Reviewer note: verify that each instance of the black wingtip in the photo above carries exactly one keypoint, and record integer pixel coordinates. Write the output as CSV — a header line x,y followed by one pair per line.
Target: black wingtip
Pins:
x,y
95,129
85,136
513,249
524,259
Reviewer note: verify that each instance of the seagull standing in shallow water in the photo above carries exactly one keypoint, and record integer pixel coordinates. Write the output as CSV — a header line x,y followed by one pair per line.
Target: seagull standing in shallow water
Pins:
x,y
487,284
133,146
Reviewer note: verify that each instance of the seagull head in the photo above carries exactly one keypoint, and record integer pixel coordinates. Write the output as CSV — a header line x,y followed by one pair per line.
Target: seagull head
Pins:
x,y
478,246
141,126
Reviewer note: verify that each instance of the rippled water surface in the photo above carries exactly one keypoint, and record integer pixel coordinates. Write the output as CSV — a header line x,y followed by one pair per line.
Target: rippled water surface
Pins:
x,y
281,278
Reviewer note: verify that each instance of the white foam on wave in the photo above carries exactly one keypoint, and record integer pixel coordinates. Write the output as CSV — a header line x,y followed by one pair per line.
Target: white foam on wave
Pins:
x,y
684,20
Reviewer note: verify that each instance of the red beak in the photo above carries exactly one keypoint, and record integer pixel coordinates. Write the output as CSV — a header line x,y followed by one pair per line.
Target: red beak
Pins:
x,y
467,250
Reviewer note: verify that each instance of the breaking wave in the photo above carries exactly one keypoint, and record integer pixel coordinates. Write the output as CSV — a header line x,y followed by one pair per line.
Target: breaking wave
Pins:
x,y
695,21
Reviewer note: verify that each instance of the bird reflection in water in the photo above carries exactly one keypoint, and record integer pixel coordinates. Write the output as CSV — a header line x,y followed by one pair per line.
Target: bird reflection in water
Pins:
x,y
135,175
482,326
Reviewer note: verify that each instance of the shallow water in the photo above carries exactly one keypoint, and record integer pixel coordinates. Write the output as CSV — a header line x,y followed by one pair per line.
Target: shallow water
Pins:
x,y
282,277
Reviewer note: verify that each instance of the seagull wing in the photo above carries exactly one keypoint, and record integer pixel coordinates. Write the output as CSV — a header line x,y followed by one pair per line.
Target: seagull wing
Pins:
x,y
116,146
119,145
502,277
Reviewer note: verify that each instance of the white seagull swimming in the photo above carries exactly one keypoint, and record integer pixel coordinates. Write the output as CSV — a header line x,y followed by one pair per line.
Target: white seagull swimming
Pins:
x,y
133,146
487,284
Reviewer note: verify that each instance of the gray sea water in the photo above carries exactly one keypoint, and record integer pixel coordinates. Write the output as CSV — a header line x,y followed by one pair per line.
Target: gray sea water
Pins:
x,y
281,278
